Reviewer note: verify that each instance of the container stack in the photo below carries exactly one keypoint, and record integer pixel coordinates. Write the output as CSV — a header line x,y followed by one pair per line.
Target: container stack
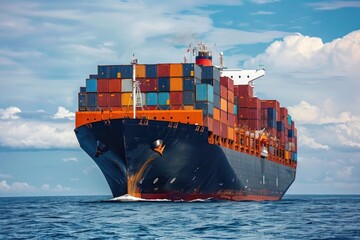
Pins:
x,y
163,86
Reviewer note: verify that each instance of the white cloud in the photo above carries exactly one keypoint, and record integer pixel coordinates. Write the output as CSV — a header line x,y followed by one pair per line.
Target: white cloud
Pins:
x,y
264,1
70,159
304,112
37,134
306,54
333,5
311,143
9,113
4,176
4,187
262,13
64,113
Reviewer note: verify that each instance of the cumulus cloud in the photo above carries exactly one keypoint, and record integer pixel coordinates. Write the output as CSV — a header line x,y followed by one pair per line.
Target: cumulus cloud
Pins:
x,y
24,188
333,5
35,133
9,113
310,55
20,187
57,189
4,187
64,113
311,143
304,112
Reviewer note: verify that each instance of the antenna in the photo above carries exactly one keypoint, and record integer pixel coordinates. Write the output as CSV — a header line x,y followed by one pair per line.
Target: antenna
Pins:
x,y
134,61
221,54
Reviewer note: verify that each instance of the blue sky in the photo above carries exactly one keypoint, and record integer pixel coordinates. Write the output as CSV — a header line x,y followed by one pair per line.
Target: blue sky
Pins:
x,y
310,50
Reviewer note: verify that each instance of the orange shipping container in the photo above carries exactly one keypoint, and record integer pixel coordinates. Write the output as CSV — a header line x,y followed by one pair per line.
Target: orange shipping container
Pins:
x,y
126,99
115,85
176,84
217,114
230,132
230,96
223,104
223,117
176,70
189,107
230,107
140,70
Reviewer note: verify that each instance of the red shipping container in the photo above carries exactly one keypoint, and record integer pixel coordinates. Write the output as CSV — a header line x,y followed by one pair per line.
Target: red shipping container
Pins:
x,y
283,112
281,136
230,96
227,82
103,85
216,127
223,130
249,102
231,119
163,70
103,99
176,107
254,113
254,124
115,85
115,99
148,84
244,91
270,104
223,116
208,122
176,98
230,107
223,92
272,131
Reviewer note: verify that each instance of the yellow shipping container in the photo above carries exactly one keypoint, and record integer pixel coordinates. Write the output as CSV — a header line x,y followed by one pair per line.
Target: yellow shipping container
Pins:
x,y
126,99
176,84
230,132
188,107
223,104
176,70
118,75
140,71
287,155
217,114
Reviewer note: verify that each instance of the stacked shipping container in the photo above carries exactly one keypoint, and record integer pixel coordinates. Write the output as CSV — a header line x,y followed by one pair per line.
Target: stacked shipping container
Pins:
x,y
189,86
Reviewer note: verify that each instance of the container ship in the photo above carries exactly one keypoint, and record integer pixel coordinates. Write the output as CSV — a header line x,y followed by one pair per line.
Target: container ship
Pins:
x,y
186,131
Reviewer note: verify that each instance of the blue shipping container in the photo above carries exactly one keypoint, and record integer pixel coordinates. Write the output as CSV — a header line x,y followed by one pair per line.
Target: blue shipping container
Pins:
x,y
104,71
289,120
164,84
235,109
290,133
114,70
164,98
191,70
91,85
151,99
82,89
204,92
188,84
207,107
216,101
217,87
93,76
164,107
210,72
271,123
92,100
188,98
126,71
82,100
294,156
151,70
280,126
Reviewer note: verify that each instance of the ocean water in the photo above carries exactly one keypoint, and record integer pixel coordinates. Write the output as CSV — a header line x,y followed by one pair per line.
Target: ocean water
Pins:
x,y
88,217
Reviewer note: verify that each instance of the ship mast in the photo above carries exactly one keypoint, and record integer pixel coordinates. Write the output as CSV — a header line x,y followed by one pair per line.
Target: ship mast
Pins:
x,y
134,61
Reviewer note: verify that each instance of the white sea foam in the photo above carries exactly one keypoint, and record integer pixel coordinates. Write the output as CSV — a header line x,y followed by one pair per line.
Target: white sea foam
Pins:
x,y
130,198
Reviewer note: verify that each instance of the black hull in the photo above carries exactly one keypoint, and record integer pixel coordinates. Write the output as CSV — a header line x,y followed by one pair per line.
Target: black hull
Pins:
x,y
187,167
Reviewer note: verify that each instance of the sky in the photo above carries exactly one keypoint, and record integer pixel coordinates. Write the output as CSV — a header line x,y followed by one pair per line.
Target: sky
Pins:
x,y
310,50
